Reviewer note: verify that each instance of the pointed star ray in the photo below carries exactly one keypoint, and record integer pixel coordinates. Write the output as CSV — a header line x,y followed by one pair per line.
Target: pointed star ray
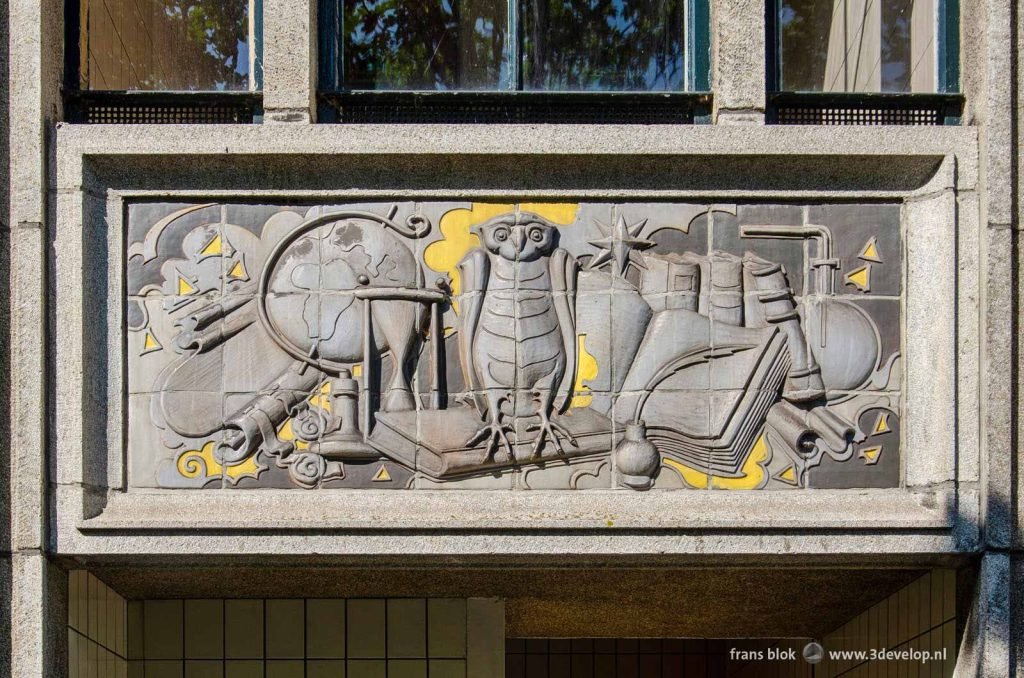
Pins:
x,y
620,245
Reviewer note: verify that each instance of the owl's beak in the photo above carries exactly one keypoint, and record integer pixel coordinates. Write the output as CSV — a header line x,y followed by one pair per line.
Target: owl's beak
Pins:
x,y
518,236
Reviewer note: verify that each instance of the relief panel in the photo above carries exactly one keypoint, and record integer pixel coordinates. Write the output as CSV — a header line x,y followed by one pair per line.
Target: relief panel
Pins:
x,y
513,346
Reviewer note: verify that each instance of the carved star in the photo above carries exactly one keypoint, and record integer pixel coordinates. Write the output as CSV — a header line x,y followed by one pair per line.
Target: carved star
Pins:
x,y
620,245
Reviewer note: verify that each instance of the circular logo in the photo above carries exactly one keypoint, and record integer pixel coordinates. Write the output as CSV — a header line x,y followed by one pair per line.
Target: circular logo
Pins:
x,y
813,652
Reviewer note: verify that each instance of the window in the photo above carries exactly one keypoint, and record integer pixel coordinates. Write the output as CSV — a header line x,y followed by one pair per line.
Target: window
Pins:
x,y
866,46
121,47
871,61
567,45
495,47
167,45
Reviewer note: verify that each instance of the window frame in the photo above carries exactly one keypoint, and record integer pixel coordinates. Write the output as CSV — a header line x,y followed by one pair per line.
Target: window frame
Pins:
x,y
190,106
945,104
510,101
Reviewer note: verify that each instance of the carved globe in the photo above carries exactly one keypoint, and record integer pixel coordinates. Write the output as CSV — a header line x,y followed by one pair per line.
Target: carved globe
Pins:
x,y
311,304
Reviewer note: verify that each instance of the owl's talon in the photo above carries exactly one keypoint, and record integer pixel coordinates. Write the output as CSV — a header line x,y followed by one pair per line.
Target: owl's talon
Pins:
x,y
497,434
548,429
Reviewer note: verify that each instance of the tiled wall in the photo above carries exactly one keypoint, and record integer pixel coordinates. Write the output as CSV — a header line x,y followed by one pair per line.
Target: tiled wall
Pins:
x,y
97,629
918,617
220,315
306,638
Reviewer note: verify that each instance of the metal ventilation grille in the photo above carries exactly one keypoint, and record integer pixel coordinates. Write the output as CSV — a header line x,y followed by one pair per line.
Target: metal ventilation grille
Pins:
x,y
845,109
855,116
116,108
533,108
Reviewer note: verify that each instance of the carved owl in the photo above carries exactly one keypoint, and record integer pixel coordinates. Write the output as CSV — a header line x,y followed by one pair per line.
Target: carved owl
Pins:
x,y
517,329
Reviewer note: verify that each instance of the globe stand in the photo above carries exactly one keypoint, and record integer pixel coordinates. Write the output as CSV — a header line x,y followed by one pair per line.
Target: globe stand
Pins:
x,y
343,440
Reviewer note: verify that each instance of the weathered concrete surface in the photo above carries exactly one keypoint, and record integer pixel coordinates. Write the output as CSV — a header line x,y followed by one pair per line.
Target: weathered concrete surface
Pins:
x,y
5,616
289,57
929,339
37,613
32,38
738,62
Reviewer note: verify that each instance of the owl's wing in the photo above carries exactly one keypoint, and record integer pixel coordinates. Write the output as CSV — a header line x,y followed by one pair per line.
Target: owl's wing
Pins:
x,y
564,269
474,269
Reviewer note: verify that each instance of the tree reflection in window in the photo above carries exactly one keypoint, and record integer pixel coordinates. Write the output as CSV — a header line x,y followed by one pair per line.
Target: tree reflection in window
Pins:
x,y
553,45
165,45
425,44
603,45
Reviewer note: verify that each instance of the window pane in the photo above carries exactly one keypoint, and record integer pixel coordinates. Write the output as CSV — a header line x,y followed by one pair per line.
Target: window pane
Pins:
x,y
858,45
166,45
425,44
603,45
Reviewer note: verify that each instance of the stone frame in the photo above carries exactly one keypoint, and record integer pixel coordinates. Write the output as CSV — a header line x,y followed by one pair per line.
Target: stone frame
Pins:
x,y
97,170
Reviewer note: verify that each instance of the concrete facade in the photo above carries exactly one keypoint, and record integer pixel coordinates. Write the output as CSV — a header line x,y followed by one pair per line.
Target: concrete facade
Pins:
x,y
66,193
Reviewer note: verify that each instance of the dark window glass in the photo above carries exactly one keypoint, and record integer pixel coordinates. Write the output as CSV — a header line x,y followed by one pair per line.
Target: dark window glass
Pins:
x,y
571,45
425,44
508,45
861,45
167,45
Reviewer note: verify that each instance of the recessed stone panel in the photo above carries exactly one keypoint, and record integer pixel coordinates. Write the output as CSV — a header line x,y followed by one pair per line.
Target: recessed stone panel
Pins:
x,y
403,345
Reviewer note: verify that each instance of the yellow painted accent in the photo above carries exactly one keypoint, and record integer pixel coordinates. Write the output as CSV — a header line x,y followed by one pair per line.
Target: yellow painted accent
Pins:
x,y
357,370
753,470
185,288
191,464
286,434
456,240
870,251
238,271
444,255
788,475
248,467
213,248
150,344
860,278
382,475
321,398
691,477
881,424
870,455
560,213
586,370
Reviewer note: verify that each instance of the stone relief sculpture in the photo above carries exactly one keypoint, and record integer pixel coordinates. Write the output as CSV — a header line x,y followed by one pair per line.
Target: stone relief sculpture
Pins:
x,y
517,331
518,346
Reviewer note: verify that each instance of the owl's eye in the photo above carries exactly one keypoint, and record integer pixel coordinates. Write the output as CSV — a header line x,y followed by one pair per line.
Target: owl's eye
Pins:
x,y
536,235
501,235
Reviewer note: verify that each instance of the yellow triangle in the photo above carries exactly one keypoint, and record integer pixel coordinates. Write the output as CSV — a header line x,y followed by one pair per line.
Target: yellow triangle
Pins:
x,y
860,278
881,424
870,251
870,455
238,271
213,248
382,475
150,343
789,475
184,287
